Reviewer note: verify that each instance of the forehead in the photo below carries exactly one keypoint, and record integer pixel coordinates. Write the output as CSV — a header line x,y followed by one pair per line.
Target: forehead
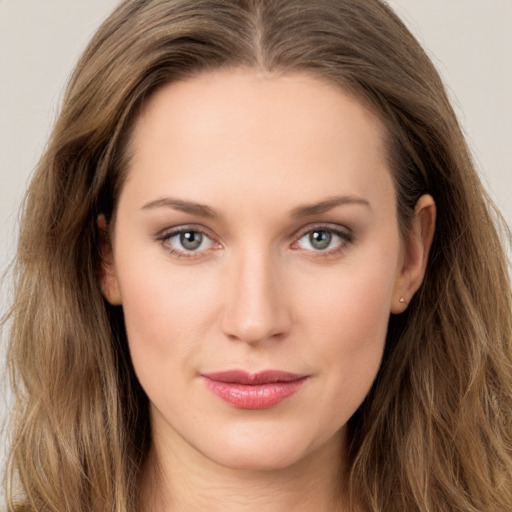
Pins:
x,y
249,132
239,91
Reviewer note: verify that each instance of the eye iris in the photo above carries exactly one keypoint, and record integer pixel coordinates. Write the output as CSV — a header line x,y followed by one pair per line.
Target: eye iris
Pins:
x,y
320,239
191,240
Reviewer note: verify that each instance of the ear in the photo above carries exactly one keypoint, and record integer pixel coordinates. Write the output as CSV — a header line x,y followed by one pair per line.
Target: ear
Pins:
x,y
415,253
107,274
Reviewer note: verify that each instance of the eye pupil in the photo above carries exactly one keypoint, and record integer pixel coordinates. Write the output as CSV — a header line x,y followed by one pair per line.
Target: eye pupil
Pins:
x,y
320,239
191,240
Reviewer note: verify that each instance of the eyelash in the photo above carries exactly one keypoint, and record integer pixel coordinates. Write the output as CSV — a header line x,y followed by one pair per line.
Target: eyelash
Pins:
x,y
345,237
165,238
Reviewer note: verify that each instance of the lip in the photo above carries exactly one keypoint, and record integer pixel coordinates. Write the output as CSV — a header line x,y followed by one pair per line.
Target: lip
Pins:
x,y
261,390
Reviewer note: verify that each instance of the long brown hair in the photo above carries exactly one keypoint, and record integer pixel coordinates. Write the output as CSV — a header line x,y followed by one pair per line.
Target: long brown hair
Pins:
x,y
435,432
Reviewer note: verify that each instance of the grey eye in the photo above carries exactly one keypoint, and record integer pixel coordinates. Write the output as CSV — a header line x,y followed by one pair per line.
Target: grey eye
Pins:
x,y
187,242
320,240
323,239
191,240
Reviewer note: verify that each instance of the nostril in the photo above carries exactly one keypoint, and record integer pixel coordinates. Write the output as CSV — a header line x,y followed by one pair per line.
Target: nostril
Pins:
x,y
272,326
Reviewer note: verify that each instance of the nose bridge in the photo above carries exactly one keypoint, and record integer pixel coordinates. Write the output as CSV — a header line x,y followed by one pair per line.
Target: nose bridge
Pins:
x,y
254,309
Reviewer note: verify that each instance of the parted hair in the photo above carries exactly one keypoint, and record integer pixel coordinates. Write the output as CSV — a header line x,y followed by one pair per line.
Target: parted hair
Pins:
x,y
435,432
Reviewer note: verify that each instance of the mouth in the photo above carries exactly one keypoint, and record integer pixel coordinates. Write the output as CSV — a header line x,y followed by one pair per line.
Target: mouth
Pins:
x,y
261,390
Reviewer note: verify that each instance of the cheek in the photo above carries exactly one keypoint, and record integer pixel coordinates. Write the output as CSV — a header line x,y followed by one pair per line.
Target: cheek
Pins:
x,y
351,304
167,310
350,330
347,315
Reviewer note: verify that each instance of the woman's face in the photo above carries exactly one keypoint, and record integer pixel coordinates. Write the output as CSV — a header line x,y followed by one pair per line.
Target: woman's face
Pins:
x,y
257,257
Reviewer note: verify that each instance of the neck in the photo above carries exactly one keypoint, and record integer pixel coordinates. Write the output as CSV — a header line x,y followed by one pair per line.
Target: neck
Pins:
x,y
174,481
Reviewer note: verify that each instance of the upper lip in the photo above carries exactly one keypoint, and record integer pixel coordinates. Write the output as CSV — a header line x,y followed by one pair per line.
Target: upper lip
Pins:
x,y
253,378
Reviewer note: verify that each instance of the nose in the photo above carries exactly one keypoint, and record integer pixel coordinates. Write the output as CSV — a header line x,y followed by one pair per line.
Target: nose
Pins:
x,y
255,308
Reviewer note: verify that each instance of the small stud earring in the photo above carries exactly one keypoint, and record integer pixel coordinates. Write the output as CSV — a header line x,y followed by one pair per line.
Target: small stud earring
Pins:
x,y
403,301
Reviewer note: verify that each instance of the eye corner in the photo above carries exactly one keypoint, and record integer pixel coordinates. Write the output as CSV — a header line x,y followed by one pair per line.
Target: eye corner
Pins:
x,y
175,241
323,240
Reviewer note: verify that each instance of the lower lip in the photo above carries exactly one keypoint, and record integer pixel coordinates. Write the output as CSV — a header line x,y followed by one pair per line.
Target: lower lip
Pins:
x,y
259,396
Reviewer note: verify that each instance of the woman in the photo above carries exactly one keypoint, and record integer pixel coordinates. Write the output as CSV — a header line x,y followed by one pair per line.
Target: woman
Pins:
x,y
257,270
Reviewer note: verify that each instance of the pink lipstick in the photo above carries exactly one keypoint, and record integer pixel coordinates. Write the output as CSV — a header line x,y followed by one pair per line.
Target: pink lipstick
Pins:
x,y
261,390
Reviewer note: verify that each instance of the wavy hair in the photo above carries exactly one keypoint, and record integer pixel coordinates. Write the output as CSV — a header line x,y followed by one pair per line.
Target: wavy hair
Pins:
x,y
435,432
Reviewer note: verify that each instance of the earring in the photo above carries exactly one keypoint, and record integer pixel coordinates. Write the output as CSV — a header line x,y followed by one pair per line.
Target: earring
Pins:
x,y
403,301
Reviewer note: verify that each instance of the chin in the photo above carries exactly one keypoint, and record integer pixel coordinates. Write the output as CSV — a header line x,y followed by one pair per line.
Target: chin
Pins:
x,y
264,460
271,453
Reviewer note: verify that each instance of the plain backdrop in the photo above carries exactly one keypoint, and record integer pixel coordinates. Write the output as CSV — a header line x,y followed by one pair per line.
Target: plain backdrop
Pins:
x,y
470,41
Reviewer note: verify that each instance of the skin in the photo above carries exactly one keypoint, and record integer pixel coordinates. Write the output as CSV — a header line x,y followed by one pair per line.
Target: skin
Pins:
x,y
257,151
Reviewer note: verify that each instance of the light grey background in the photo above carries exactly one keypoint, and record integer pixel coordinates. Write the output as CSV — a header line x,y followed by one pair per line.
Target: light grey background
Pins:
x,y
470,41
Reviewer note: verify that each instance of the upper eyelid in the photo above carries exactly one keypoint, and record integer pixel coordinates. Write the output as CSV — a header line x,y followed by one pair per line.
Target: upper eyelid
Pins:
x,y
166,234
345,234
322,226
338,229
184,228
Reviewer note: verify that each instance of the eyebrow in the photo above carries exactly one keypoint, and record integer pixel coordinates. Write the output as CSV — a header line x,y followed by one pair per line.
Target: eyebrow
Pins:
x,y
202,210
327,205
189,207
